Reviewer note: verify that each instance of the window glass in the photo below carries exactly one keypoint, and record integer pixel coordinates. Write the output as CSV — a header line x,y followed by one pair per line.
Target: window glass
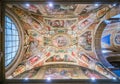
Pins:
x,y
11,40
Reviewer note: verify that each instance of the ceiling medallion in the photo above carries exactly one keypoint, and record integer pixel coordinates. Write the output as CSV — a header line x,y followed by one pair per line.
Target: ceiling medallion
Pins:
x,y
61,41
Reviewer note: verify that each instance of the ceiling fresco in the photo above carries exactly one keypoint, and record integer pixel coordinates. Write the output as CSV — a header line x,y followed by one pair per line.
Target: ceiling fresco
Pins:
x,y
57,9
60,34
111,36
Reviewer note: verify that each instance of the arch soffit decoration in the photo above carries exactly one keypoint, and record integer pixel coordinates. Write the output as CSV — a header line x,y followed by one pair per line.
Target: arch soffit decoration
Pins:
x,y
98,34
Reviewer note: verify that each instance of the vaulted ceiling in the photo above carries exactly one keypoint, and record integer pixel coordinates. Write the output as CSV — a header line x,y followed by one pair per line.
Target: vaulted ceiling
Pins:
x,y
59,34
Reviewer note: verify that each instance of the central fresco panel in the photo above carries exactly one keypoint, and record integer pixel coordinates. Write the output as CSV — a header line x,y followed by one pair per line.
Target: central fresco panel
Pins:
x,y
58,41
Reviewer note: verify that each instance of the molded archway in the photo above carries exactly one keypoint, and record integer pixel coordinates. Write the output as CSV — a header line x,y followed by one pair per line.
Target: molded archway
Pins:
x,y
98,34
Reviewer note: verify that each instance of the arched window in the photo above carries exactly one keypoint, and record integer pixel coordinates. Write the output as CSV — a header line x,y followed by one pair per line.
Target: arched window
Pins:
x,y
11,40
